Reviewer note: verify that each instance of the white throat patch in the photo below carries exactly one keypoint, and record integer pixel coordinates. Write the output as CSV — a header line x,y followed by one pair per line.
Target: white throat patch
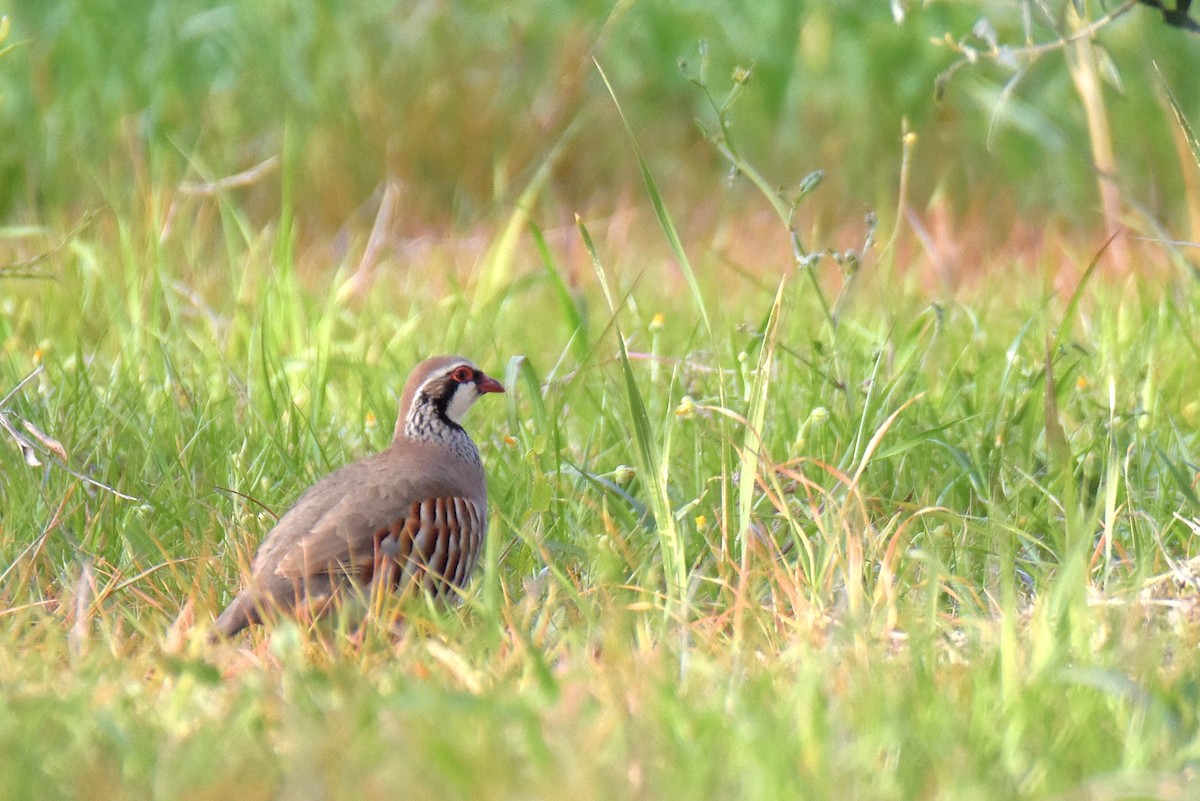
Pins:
x,y
464,395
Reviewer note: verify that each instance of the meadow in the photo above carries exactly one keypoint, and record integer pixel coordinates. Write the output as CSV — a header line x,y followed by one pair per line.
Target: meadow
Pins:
x,y
845,454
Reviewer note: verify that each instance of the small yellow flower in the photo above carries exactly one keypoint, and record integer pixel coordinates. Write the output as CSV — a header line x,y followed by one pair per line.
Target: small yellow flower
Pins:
x,y
701,521
686,408
1082,383
657,323
510,441
370,420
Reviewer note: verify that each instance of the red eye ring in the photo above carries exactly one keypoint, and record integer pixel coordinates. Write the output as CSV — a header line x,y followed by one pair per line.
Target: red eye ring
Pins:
x,y
463,374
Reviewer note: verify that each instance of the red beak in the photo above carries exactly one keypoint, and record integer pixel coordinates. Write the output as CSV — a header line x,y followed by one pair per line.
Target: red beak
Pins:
x,y
486,384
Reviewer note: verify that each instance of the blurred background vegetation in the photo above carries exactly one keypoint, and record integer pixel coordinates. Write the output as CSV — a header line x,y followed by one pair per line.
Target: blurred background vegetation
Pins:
x,y
460,103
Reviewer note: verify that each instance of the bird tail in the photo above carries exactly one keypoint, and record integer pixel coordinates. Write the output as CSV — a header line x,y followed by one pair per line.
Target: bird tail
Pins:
x,y
238,615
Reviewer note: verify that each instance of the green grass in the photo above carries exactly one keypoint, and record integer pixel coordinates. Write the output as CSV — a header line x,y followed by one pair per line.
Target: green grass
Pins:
x,y
759,531
912,595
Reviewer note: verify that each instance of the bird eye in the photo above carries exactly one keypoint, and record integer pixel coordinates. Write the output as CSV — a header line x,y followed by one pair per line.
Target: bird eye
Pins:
x,y
463,374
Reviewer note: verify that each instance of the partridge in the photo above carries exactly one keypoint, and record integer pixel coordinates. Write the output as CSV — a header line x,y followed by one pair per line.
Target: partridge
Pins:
x,y
412,515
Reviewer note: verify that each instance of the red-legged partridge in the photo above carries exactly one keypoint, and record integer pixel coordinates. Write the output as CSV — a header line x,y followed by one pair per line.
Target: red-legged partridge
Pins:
x,y
416,512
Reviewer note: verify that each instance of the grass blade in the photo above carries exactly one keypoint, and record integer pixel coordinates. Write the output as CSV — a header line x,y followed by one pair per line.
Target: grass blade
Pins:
x,y
752,443
651,465
660,210
575,313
